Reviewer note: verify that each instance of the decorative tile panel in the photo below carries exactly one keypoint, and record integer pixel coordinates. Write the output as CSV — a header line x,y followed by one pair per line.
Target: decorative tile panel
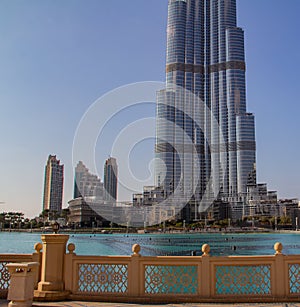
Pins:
x,y
103,278
235,280
161,279
294,278
4,276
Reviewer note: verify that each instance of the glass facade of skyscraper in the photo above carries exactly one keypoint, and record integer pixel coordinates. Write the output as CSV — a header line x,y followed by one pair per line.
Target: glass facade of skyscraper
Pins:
x,y
205,139
53,185
110,179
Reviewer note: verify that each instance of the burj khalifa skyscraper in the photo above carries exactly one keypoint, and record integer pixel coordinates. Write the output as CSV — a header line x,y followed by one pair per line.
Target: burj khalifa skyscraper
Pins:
x,y
205,138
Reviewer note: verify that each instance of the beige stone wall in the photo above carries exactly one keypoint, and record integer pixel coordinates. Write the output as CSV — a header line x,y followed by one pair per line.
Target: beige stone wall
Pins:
x,y
135,278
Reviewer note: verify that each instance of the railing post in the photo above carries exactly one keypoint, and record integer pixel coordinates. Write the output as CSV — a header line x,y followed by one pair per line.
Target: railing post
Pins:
x,y
279,282
205,276
68,272
22,283
51,286
134,278
37,257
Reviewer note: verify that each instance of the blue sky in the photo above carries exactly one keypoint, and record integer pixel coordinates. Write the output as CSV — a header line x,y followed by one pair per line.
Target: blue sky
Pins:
x,y
58,57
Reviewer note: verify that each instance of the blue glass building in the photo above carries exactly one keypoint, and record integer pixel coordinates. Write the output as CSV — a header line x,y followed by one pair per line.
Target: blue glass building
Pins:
x,y
110,179
205,139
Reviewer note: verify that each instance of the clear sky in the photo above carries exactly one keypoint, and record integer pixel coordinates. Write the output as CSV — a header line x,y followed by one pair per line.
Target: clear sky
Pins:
x,y
58,57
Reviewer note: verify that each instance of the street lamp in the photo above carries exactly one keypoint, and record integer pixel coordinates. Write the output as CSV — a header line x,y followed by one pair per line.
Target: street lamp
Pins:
x,y
55,227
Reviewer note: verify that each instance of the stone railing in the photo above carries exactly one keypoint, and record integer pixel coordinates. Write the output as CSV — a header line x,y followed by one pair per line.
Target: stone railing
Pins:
x,y
192,278
9,258
135,278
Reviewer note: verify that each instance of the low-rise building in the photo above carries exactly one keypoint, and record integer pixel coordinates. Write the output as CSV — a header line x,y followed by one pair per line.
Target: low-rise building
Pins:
x,y
219,210
287,206
82,214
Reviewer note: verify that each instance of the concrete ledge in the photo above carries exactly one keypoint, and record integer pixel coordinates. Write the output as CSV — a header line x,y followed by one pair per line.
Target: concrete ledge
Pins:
x,y
180,299
50,296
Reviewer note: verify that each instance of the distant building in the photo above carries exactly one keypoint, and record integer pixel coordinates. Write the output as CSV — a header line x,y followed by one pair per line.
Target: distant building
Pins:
x,y
260,201
88,191
295,217
111,179
86,184
137,199
219,210
238,210
151,196
83,215
53,185
259,192
288,206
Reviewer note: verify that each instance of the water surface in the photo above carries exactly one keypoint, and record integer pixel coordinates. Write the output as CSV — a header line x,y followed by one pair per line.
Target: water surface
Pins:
x,y
161,244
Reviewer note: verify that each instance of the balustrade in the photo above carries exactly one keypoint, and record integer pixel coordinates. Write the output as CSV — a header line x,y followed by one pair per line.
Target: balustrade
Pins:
x,y
14,258
138,278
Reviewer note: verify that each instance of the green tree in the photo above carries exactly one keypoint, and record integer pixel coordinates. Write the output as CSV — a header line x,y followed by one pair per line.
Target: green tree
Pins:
x,y
285,220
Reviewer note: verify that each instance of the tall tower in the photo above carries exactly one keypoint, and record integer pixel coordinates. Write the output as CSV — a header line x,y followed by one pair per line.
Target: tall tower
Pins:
x,y
111,179
86,184
205,139
53,185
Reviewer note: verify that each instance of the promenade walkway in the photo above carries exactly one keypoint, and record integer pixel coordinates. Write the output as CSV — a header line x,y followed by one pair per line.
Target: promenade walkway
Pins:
x,y
3,303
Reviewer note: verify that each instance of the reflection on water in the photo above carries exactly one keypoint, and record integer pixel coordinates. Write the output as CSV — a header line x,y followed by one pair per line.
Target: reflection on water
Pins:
x,y
161,244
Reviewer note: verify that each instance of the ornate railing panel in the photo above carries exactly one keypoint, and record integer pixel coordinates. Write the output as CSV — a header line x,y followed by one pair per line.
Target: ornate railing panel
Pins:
x,y
243,279
294,278
102,278
4,276
166,279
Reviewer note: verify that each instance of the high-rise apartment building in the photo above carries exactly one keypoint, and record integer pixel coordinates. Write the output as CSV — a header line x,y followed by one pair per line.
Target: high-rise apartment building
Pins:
x,y
86,184
53,185
205,138
111,179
